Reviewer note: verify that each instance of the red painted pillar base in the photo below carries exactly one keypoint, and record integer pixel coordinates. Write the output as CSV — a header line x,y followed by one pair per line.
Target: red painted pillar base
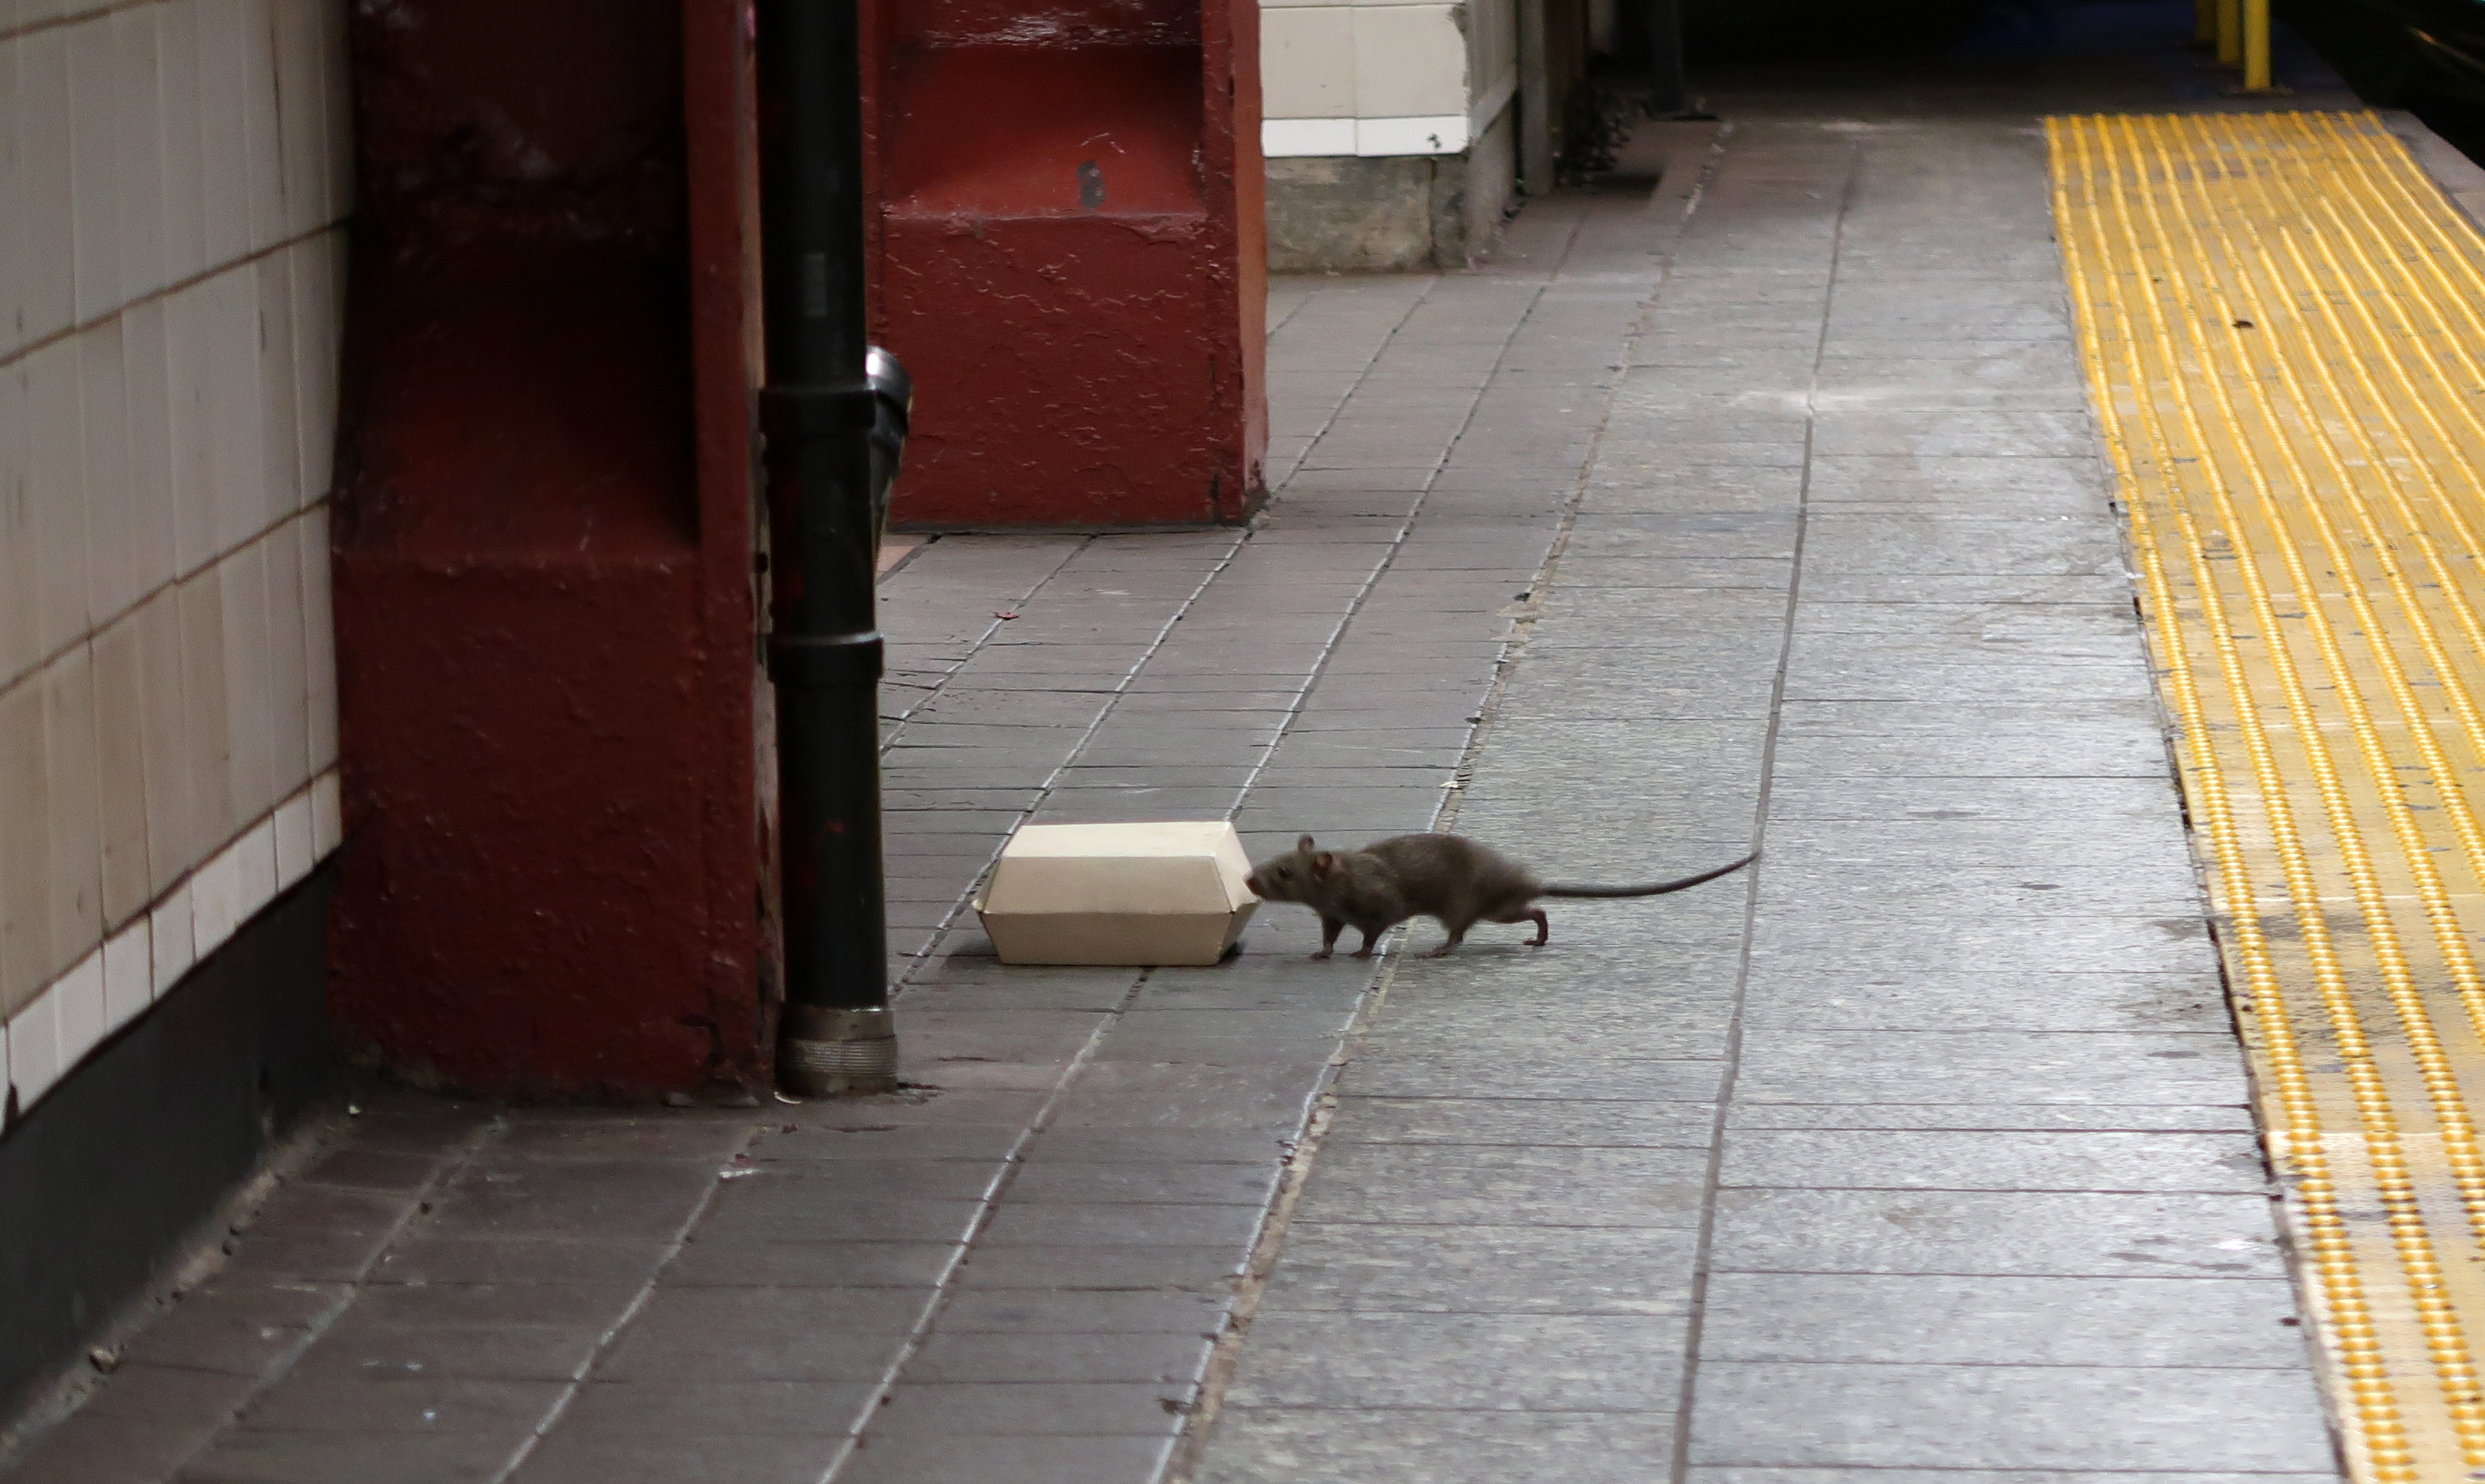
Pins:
x,y
1070,259
552,885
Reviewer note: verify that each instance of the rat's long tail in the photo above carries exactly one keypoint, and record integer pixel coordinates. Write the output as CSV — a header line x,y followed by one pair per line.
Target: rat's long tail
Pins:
x,y
1651,889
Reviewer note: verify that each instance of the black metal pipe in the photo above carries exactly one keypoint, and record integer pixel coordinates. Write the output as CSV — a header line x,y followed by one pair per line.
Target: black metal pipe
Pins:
x,y
823,648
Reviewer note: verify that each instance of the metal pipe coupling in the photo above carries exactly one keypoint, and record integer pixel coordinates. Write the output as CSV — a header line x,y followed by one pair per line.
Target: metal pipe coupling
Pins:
x,y
823,1052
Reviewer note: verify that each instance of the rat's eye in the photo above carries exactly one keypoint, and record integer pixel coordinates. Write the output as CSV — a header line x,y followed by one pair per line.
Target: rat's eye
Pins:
x,y
1285,873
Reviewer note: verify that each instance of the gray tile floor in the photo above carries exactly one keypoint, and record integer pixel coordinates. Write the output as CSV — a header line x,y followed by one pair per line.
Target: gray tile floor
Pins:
x,y
1763,510
1922,1149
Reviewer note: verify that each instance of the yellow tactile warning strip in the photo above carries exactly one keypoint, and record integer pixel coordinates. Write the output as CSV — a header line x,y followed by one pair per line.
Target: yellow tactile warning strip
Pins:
x,y
2283,322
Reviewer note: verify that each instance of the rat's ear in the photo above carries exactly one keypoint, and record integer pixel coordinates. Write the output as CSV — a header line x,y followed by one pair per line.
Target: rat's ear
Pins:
x,y
1304,844
1323,863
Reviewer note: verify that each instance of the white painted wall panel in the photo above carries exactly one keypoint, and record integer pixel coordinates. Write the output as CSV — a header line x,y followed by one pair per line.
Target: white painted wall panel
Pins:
x,y
113,579
185,161
1410,60
72,804
21,636
128,976
237,442
138,148
146,374
206,738
46,276
1433,134
190,373
56,488
1381,77
121,757
1307,65
94,175
224,42
172,843
79,1020
320,638
171,294
13,228
1492,58
263,155
1283,137
26,962
319,321
35,1049
249,679
279,392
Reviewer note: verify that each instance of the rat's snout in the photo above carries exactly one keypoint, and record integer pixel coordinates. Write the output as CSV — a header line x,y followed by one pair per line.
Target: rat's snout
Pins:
x,y
1252,884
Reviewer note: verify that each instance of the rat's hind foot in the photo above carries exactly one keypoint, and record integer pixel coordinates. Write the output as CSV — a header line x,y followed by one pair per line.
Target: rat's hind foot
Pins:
x,y
1323,953
1442,952
1543,928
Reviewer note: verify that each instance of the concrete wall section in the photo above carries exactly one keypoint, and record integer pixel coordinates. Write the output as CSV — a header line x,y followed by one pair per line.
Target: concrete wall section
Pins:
x,y
1492,61
1486,190
1391,213
1344,215
170,277
1378,129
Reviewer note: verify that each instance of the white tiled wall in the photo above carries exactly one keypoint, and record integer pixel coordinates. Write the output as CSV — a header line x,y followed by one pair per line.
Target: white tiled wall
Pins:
x,y
173,173
1370,78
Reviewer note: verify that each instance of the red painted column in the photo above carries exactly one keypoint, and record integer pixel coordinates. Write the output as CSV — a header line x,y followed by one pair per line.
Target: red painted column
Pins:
x,y
1069,256
553,879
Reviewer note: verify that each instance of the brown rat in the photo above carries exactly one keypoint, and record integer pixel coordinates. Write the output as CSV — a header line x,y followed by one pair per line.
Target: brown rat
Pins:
x,y
1448,877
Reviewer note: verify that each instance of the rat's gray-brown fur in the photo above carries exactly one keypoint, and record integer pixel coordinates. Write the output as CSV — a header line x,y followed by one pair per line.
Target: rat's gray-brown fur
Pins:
x,y
1447,876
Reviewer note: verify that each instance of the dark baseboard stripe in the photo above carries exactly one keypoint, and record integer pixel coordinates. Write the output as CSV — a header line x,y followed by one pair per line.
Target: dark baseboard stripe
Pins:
x,y
102,1181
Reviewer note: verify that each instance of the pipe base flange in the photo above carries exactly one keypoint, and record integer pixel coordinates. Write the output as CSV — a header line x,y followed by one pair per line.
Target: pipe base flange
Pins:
x,y
837,1053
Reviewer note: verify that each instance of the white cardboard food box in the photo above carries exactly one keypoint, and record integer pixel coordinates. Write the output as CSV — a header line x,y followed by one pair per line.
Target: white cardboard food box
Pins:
x,y
1134,894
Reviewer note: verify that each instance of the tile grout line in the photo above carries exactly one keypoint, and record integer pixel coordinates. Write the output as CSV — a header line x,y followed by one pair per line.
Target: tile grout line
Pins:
x,y
1388,558
1276,495
354,1287
1415,512
143,917
987,1208
73,18
1070,759
1192,1450
604,1342
1703,1254
1548,572
33,673
897,724
1013,1161
1112,1018
895,733
250,258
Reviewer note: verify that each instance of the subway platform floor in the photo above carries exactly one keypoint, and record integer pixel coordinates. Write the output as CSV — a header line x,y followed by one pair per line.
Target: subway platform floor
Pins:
x,y
1759,507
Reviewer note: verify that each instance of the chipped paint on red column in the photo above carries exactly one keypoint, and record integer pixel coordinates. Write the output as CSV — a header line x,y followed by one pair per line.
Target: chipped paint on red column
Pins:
x,y
552,885
1069,257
